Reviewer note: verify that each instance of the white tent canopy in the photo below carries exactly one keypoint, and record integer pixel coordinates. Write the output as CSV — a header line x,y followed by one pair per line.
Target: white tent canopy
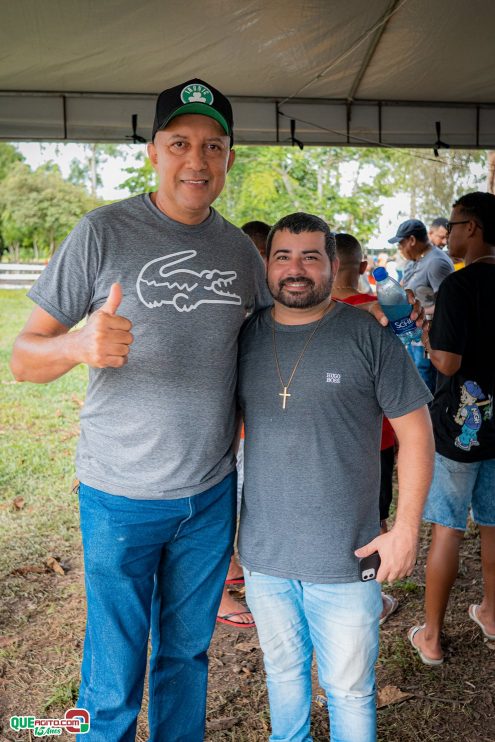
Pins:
x,y
358,72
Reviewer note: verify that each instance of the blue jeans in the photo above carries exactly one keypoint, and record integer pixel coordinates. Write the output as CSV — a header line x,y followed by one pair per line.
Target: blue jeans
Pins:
x,y
340,621
425,367
159,564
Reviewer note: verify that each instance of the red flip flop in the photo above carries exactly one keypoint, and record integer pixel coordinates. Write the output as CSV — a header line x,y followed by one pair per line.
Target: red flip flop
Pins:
x,y
235,581
227,619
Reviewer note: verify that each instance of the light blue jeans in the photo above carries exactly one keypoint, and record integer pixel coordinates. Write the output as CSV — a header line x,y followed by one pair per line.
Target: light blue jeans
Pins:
x,y
340,621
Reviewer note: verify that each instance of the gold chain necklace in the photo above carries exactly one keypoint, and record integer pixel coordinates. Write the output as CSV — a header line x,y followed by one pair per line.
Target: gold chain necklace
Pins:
x,y
285,394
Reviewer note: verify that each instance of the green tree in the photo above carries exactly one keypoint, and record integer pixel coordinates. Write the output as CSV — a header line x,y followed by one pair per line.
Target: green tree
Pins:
x,y
38,209
434,183
9,157
86,171
340,185
345,185
142,178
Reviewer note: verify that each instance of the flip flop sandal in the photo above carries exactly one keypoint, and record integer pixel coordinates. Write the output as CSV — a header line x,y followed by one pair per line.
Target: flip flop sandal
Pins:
x,y
424,659
390,606
235,581
473,611
227,618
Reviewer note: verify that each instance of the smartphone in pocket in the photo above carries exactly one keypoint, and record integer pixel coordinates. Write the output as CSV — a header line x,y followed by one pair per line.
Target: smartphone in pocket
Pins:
x,y
369,566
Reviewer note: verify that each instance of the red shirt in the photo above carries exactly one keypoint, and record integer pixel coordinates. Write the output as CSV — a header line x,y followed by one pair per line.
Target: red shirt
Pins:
x,y
388,437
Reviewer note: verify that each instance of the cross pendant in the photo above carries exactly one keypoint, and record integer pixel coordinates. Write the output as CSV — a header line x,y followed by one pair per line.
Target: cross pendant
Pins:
x,y
284,394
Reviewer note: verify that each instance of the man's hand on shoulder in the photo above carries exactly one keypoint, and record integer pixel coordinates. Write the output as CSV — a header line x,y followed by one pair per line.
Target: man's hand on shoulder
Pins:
x,y
104,342
398,550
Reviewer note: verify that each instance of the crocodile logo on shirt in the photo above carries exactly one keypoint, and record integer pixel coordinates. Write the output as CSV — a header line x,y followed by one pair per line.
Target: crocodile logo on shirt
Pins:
x,y
183,288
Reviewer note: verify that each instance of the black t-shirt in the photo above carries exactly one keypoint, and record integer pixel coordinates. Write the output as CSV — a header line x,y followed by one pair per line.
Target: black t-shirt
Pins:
x,y
464,323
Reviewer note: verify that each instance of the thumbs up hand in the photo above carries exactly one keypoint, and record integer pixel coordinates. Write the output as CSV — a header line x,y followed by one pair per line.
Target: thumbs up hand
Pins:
x,y
105,340
114,299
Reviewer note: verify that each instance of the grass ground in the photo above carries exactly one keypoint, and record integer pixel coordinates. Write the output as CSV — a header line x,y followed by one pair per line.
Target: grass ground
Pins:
x,y
38,432
42,612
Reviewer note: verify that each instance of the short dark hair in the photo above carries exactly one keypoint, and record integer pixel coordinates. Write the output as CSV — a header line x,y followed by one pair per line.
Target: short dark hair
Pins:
x,y
301,222
256,229
349,248
440,221
480,207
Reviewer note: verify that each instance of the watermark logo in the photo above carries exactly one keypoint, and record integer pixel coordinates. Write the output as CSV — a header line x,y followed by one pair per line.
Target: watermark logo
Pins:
x,y
75,721
80,721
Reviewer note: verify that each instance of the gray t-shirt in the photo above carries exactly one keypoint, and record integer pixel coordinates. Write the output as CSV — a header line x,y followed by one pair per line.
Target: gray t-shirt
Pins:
x,y
425,275
312,471
162,426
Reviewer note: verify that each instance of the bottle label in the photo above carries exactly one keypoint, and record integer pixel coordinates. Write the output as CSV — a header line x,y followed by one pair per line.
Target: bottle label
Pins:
x,y
403,326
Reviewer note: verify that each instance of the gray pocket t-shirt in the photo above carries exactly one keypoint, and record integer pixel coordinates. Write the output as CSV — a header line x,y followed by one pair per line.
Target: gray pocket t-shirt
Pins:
x,y
161,427
312,471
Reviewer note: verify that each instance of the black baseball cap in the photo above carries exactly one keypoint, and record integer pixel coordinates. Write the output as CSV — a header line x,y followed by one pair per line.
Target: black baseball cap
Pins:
x,y
193,96
409,228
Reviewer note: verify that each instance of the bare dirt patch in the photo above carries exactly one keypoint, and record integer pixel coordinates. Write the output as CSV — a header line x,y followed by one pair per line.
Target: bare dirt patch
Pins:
x,y
43,626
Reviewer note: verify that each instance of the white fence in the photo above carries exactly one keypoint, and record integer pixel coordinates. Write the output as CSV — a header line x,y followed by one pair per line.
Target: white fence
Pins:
x,y
19,275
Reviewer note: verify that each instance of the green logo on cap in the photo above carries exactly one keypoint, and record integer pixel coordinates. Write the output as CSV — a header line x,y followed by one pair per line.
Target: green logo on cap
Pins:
x,y
197,93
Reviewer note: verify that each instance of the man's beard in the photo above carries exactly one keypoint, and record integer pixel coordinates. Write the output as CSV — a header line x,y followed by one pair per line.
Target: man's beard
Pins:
x,y
316,293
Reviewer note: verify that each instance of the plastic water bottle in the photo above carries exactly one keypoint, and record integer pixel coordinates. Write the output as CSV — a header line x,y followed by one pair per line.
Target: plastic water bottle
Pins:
x,y
393,300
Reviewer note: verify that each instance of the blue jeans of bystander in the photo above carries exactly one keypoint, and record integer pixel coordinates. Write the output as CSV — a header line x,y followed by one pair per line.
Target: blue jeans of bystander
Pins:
x,y
425,367
458,486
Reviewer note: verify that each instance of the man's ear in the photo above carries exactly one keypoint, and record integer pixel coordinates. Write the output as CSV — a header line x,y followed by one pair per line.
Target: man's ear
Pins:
x,y
363,265
151,149
335,266
231,159
472,227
